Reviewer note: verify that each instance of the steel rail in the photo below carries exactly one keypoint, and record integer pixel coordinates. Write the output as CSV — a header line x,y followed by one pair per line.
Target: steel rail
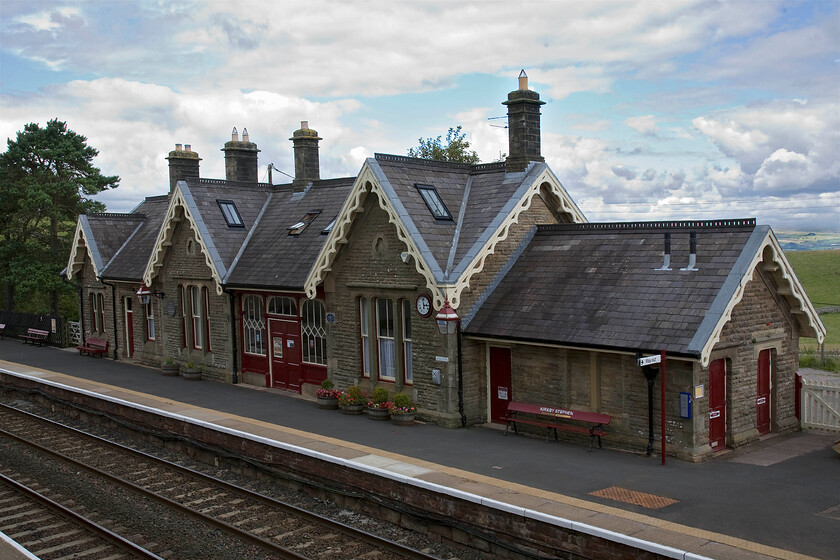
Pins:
x,y
352,532
87,524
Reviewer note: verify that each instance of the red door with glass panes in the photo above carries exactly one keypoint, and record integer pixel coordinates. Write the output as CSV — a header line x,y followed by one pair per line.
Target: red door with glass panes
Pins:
x,y
284,347
762,397
500,381
717,405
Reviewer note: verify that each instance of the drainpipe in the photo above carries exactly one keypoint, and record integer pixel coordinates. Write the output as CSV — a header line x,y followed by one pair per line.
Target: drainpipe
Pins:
x,y
461,381
235,352
114,309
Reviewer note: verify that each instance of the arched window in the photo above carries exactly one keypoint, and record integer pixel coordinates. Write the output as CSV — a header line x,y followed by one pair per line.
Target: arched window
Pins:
x,y
254,325
314,332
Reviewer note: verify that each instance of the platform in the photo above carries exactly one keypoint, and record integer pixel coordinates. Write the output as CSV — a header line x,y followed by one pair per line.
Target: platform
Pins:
x,y
780,498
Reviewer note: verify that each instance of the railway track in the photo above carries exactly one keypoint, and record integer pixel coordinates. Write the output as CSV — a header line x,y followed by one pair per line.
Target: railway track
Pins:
x,y
279,529
50,530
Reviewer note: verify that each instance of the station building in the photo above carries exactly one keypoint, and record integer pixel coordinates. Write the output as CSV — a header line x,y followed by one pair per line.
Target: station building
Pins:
x,y
286,285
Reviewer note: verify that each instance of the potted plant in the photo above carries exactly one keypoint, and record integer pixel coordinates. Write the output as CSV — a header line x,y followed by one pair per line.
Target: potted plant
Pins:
x,y
192,372
169,367
378,407
327,395
352,401
403,410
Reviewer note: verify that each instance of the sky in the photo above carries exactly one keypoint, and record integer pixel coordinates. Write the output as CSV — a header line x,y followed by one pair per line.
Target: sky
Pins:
x,y
693,110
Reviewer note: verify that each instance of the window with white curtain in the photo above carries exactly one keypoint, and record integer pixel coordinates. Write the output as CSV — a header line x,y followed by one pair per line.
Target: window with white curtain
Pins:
x,y
385,339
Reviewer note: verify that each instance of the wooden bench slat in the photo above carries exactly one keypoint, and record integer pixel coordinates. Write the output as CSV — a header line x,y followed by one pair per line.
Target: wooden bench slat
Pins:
x,y
35,335
94,347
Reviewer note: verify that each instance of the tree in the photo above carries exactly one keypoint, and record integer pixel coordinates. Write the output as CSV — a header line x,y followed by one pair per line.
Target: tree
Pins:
x,y
46,181
457,148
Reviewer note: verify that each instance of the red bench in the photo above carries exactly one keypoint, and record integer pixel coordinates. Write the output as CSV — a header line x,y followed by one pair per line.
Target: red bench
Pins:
x,y
553,418
94,347
35,336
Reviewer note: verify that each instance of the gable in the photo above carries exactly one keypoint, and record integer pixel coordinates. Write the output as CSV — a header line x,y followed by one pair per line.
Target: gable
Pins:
x,y
484,202
101,236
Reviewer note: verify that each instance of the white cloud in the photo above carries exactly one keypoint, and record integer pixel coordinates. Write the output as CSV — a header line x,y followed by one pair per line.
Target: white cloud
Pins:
x,y
645,124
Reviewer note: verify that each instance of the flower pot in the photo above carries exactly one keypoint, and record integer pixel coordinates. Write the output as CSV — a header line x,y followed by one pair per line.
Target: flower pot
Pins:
x,y
403,419
170,370
192,374
328,403
378,413
353,408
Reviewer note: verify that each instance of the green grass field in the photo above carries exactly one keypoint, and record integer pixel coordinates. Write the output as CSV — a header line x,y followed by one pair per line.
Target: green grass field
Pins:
x,y
819,273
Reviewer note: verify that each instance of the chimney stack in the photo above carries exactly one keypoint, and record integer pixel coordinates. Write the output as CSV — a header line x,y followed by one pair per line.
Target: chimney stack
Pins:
x,y
307,165
523,126
183,164
241,158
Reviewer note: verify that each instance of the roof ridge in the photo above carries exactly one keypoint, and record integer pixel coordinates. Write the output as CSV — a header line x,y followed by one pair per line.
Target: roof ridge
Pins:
x,y
121,215
666,224
423,161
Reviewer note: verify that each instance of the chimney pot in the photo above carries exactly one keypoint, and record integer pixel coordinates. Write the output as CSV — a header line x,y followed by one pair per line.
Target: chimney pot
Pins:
x,y
187,147
304,125
234,135
245,135
523,81
178,147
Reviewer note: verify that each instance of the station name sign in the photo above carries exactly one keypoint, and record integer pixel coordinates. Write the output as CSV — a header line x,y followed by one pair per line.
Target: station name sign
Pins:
x,y
647,360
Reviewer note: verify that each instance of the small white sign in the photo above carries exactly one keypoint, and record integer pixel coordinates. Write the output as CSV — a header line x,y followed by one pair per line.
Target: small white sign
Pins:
x,y
647,360
503,393
441,359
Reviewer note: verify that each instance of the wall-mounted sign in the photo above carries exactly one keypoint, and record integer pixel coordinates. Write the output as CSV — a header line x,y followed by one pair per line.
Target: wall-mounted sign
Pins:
x,y
698,392
441,359
436,376
330,318
648,360
277,343
503,393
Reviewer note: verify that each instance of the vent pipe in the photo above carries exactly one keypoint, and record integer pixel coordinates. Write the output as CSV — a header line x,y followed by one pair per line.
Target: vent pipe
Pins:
x,y
666,265
692,256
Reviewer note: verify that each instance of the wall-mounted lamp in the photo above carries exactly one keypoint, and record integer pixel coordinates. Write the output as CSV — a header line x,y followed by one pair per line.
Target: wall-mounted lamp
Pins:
x,y
447,319
145,294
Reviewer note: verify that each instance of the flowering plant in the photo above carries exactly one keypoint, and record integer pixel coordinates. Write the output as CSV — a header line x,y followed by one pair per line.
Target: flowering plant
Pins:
x,y
403,404
353,395
327,391
379,398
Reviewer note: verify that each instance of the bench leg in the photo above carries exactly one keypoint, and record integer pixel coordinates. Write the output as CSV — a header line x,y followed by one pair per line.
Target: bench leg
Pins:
x,y
547,434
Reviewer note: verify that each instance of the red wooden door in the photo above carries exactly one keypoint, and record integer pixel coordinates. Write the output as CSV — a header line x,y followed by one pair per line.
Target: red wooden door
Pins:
x,y
717,405
762,398
129,328
500,389
284,347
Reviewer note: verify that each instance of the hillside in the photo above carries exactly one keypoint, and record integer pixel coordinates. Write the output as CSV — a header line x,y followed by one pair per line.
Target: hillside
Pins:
x,y
819,273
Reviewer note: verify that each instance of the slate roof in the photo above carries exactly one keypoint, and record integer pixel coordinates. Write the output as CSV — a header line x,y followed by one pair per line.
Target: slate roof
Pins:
x,y
106,233
597,285
129,261
478,197
223,242
271,258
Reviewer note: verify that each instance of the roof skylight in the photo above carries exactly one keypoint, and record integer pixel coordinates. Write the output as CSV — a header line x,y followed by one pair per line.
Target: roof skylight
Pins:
x,y
231,214
301,225
434,202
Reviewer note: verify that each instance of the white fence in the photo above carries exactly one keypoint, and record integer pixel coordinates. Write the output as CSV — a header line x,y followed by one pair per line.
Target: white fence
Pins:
x,y
821,402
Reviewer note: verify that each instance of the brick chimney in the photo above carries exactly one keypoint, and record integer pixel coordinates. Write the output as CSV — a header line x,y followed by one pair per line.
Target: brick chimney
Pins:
x,y
307,166
241,158
183,164
523,126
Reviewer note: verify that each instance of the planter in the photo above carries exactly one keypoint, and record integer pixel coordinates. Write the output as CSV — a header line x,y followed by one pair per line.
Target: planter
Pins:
x,y
378,413
192,374
170,370
328,403
403,419
352,408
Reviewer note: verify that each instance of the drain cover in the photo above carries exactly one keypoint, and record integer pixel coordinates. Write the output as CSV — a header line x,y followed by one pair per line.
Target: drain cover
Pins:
x,y
650,501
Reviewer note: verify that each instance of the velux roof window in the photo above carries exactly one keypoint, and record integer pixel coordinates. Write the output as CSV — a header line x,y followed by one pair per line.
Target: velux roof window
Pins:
x,y
297,228
433,201
329,228
230,213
